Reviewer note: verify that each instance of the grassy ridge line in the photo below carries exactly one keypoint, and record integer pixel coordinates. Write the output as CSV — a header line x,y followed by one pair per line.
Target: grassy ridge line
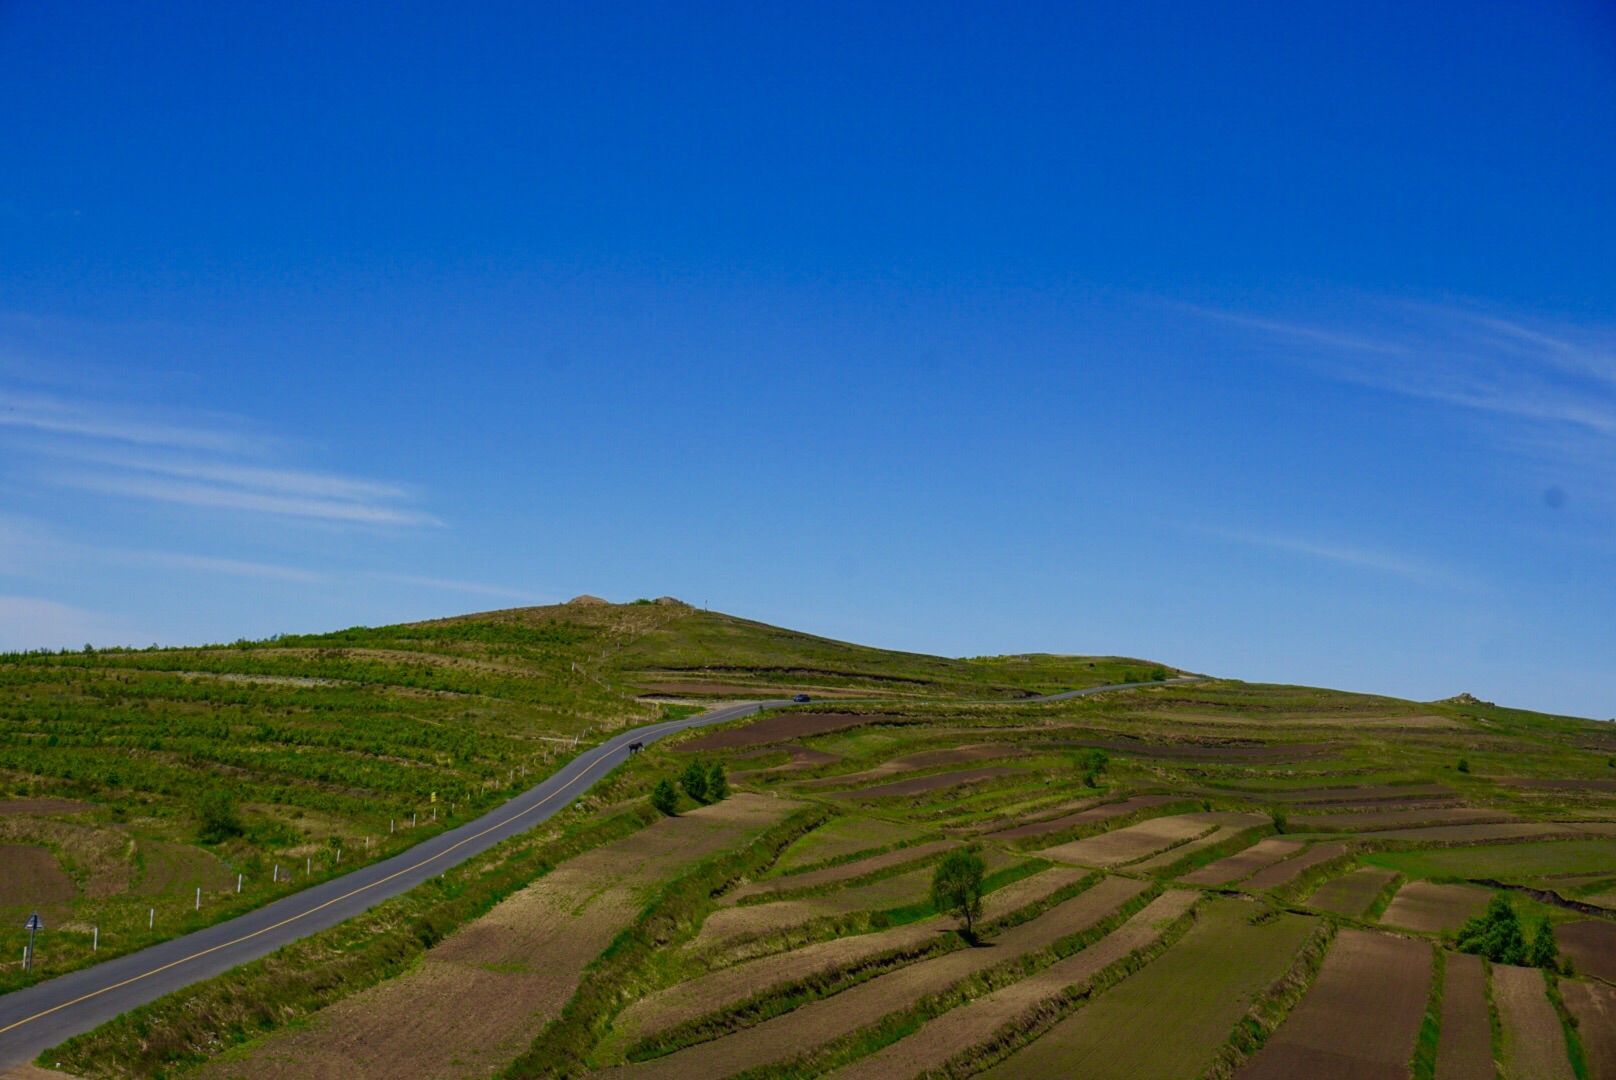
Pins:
x,y
1304,884
1235,844
896,1025
1422,1066
853,856
192,1025
1383,899
1046,1014
1568,1023
1270,1009
675,913
793,994
824,888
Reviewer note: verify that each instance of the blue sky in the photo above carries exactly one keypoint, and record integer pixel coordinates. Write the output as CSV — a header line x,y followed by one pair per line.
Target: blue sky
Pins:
x,y
1277,341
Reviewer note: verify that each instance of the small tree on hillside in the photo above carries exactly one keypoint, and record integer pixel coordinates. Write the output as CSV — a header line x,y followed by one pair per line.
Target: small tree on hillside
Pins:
x,y
717,783
1495,934
219,819
956,888
664,798
1278,818
1543,952
694,781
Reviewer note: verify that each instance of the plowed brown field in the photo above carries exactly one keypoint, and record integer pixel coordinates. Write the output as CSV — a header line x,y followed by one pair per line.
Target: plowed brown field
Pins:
x,y
1359,1018
1135,841
1594,1006
1424,905
778,727
1352,893
1289,869
1262,853
1591,944
1464,1051
842,872
1534,1042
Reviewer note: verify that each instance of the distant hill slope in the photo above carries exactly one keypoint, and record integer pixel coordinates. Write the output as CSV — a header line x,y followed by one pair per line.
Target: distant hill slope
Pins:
x,y
129,778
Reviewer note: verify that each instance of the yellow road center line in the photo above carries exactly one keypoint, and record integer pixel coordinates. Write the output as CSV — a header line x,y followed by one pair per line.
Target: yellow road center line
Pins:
x,y
309,911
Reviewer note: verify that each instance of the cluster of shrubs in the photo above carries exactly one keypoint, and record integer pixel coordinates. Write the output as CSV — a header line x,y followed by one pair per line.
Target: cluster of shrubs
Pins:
x,y
702,782
1496,934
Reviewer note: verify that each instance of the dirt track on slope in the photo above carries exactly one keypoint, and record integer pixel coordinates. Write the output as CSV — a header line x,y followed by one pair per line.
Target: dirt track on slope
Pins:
x,y
477,999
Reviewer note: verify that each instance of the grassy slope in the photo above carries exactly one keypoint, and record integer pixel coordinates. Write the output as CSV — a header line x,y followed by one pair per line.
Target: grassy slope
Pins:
x,y
324,741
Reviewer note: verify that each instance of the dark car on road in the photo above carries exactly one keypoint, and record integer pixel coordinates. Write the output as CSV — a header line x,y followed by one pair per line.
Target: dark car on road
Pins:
x,y
799,698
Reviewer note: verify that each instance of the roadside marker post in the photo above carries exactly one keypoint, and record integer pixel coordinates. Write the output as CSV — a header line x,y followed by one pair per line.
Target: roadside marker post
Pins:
x,y
151,917
308,865
199,898
33,925
95,940
238,883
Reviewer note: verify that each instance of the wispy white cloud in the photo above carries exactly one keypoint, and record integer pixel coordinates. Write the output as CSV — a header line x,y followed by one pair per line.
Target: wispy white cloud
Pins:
x,y
1362,558
209,462
474,588
209,564
109,423
1544,394
218,497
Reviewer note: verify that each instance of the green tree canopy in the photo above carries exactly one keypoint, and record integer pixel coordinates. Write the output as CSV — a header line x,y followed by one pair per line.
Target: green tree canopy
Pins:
x,y
956,887
694,781
1495,934
717,783
664,798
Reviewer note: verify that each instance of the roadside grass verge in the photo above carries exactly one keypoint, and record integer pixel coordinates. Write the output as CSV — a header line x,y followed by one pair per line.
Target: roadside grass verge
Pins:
x,y
673,915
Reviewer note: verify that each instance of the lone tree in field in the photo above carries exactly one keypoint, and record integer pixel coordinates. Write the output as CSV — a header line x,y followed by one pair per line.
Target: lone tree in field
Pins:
x,y
1496,934
694,781
219,819
664,798
717,783
956,888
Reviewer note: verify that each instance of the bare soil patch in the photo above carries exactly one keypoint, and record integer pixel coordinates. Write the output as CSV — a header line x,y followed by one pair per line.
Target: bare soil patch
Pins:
x,y
1425,905
1594,1006
1359,1018
1464,1050
802,757
779,727
31,877
1534,1042
976,1022
1591,944
1263,853
1134,841
820,1021
1351,894
1288,869
1103,812
476,1000
934,782
41,806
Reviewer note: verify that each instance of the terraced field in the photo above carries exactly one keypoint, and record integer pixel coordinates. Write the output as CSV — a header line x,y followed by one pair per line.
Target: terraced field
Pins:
x,y
1267,881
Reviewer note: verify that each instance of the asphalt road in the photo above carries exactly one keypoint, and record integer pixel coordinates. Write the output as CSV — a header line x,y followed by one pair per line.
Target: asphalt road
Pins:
x,y
38,1017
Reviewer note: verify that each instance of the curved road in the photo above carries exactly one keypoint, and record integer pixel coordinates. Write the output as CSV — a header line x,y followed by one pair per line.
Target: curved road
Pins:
x,y
38,1017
